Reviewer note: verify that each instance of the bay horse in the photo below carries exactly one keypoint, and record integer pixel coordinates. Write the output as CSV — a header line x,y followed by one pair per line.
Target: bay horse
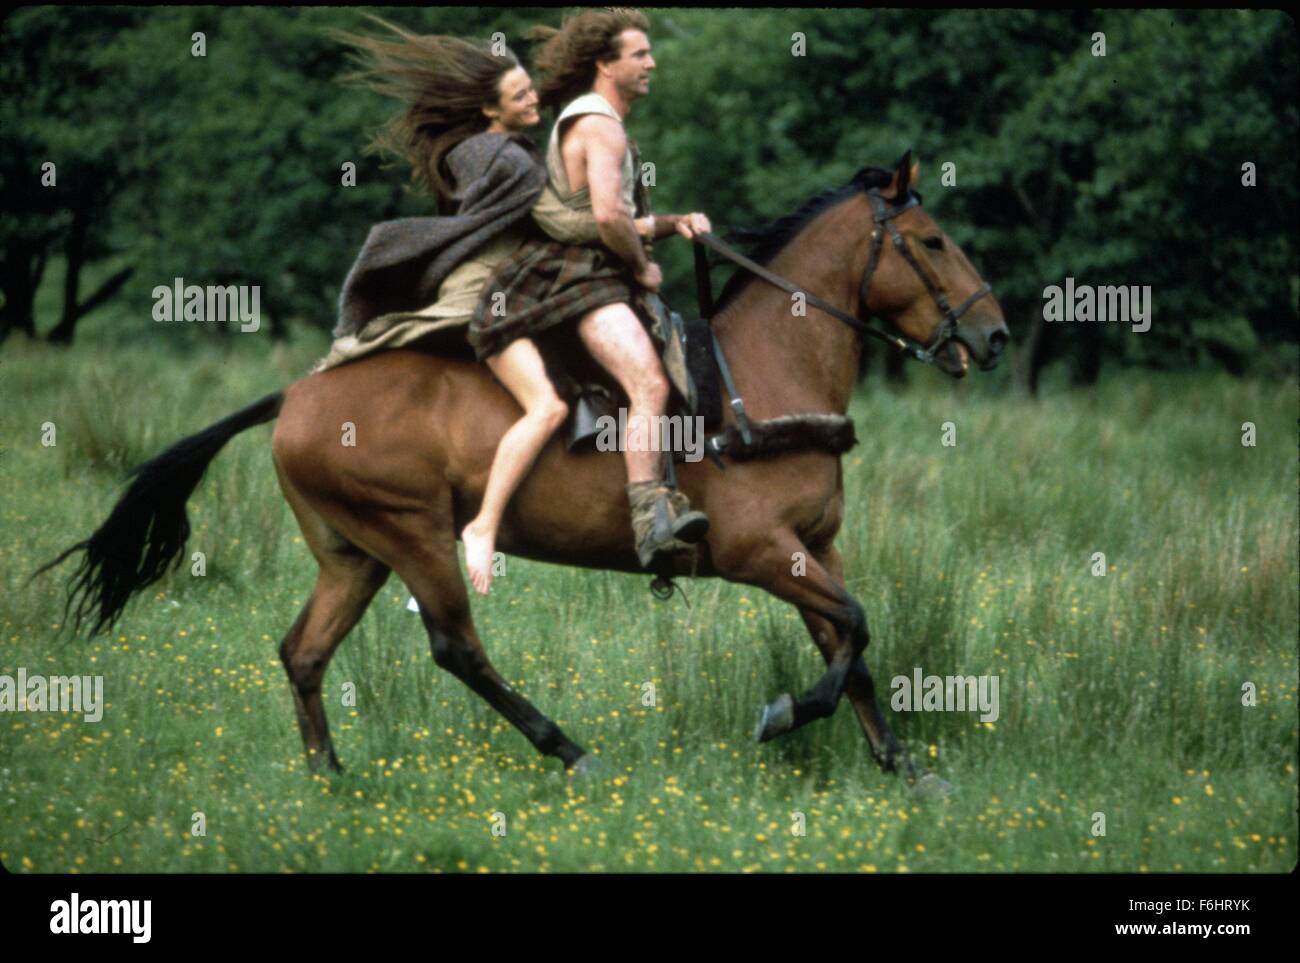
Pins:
x,y
425,429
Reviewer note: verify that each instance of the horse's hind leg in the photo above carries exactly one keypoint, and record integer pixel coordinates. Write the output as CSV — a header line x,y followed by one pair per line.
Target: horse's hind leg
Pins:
x,y
423,554
347,581
344,588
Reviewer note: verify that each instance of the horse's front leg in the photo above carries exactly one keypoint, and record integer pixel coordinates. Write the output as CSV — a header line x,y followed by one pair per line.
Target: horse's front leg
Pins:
x,y
861,688
786,568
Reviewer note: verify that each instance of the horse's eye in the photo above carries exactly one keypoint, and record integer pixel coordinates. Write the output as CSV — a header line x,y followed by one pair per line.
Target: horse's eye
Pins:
x,y
934,243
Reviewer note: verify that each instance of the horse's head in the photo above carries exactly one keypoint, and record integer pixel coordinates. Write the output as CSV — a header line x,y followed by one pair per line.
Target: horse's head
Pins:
x,y
918,280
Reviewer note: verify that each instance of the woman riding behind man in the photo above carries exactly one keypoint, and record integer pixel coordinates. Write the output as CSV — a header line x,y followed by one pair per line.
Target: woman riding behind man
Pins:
x,y
466,107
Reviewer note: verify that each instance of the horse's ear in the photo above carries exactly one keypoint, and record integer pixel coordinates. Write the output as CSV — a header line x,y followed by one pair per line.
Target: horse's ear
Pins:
x,y
904,171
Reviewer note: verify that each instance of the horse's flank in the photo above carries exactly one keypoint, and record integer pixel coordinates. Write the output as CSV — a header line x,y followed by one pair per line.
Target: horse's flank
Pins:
x,y
428,419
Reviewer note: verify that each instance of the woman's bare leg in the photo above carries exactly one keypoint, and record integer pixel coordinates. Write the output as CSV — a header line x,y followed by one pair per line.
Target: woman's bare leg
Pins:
x,y
520,368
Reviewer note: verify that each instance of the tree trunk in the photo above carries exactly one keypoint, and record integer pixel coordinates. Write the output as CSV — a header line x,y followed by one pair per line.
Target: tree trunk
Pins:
x,y
23,266
75,249
103,293
1037,353
279,329
1087,357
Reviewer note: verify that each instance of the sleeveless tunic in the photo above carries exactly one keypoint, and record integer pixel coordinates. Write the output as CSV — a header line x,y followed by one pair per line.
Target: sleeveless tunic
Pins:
x,y
580,200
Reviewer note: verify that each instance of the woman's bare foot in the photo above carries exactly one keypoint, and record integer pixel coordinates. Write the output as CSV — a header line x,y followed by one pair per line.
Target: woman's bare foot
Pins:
x,y
479,542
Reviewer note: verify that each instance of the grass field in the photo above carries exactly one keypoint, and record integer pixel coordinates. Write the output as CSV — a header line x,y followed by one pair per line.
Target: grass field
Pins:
x,y
1119,695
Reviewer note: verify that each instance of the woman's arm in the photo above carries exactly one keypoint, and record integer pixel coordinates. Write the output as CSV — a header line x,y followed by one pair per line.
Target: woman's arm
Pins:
x,y
564,224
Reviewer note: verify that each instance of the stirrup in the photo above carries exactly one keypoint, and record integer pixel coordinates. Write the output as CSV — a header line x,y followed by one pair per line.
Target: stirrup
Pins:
x,y
663,588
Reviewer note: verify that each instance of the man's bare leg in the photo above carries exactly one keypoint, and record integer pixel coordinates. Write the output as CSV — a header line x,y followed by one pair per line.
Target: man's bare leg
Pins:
x,y
616,339
520,368
662,521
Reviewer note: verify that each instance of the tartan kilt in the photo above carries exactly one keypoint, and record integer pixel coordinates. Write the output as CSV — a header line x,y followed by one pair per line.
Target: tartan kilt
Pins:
x,y
546,284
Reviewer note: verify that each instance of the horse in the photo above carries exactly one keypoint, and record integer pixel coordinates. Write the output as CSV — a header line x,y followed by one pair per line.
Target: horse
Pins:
x,y
425,429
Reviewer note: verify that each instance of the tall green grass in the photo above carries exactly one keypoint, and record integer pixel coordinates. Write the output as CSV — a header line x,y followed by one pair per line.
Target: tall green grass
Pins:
x,y
1120,695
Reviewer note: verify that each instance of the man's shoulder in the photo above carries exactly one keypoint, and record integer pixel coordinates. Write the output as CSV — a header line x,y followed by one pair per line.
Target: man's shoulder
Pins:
x,y
591,113
590,103
594,129
609,126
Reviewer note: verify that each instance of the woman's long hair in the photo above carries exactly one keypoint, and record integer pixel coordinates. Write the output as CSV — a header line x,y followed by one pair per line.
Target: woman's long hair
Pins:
x,y
443,84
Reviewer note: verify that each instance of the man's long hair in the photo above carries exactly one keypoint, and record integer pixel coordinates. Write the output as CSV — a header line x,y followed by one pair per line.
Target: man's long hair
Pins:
x,y
443,84
566,61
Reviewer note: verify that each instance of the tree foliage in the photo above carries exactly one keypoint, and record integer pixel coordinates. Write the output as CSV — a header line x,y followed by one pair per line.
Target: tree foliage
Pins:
x,y
1125,168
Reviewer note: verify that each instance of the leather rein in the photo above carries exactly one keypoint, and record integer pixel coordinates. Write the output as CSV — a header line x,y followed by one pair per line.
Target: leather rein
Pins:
x,y
883,215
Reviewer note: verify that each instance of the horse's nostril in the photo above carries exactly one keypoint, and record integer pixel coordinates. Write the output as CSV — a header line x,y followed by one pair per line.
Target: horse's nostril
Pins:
x,y
998,340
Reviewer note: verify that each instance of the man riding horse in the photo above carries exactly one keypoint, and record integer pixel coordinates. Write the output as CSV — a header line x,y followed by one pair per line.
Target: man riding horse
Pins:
x,y
593,68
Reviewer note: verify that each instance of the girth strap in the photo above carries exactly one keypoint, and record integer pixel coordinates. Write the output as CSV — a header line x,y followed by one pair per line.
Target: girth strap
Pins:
x,y
733,397
704,293
703,283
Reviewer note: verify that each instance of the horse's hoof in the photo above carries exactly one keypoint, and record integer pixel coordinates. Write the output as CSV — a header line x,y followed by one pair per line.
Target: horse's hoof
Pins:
x,y
777,718
320,764
586,765
931,788
895,758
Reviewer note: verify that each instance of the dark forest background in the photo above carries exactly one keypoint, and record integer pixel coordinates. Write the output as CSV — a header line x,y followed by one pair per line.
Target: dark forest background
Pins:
x,y
1122,169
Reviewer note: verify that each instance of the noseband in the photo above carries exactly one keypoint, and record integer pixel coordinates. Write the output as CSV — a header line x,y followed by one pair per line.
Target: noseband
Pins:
x,y
883,215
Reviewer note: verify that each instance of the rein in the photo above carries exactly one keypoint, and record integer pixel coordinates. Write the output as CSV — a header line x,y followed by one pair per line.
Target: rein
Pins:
x,y
883,214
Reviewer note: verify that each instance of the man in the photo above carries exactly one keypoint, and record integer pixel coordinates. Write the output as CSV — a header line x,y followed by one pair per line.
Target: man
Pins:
x,y
594,67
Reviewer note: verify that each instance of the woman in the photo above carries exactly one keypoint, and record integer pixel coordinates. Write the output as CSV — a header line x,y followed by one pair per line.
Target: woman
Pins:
x,y
461,130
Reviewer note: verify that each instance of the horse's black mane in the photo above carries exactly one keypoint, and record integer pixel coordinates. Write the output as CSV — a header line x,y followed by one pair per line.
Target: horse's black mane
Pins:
x,y
761,244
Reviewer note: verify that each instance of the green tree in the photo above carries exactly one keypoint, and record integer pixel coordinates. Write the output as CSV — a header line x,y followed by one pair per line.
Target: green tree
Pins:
x,y
58,108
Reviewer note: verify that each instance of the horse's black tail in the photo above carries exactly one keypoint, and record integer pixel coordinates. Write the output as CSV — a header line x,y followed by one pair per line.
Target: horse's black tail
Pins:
x,y
147,529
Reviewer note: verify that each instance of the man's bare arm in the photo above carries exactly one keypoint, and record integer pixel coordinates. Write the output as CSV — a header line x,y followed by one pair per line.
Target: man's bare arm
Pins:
x,y
604,143
687,225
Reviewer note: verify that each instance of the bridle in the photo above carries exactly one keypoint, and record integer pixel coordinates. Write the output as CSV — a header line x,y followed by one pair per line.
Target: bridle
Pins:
x,y
883,215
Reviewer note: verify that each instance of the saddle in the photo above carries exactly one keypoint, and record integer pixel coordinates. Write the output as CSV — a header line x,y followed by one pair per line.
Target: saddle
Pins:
x,y
699,374
685,350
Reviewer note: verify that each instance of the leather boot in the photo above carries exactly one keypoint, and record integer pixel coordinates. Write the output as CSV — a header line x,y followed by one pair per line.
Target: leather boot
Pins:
x,y
662,523
688,525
